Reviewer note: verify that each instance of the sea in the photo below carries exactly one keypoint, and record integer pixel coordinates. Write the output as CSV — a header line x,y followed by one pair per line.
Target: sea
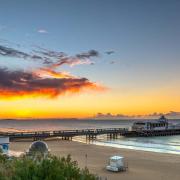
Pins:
x,y
161,144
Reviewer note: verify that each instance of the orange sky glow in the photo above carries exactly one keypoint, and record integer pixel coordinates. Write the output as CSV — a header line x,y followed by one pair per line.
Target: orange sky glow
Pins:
x,y
81,60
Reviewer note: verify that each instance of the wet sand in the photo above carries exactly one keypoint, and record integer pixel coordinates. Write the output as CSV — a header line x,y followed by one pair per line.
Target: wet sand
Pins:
x,y
142,165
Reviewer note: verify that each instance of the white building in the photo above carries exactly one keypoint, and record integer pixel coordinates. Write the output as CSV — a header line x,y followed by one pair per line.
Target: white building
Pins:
x,y
160,124
116,163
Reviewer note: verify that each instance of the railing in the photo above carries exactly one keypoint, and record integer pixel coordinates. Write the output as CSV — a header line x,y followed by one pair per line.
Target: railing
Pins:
x,y
91,133
64,133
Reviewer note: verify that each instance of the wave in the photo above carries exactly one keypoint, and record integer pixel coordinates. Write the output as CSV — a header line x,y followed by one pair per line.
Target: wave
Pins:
x,y
137,144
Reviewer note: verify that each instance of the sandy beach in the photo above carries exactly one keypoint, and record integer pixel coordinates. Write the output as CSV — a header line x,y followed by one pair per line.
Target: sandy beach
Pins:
x,y
142,165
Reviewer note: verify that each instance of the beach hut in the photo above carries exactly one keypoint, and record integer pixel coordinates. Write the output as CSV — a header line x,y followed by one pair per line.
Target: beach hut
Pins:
x,y
116,163
4,144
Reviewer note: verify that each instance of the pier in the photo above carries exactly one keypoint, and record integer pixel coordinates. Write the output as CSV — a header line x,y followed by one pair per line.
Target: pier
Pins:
x,y
167,132
91,134
65,134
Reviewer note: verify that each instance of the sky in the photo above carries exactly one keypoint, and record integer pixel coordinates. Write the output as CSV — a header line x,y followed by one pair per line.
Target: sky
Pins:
x,y
79,58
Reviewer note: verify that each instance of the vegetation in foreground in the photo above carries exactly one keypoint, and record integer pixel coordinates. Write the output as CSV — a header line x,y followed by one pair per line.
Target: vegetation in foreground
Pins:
x,y
49,168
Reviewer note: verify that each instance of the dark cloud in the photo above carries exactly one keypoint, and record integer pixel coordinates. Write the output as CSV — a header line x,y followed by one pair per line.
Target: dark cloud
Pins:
x,y
89,54
49,53
171,114
109,115
55,59
50,58
47,61
112,62
10,52
18,83
36,57
110,52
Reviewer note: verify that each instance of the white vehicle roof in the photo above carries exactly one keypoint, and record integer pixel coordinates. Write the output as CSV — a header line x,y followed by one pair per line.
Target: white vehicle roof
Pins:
x,y
116,157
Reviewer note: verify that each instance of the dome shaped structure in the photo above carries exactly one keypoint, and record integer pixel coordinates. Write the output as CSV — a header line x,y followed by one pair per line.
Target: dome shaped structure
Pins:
x,y
163,119
38,147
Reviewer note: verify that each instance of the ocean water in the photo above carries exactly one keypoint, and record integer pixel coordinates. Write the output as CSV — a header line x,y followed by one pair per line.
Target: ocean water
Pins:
x,y
164,144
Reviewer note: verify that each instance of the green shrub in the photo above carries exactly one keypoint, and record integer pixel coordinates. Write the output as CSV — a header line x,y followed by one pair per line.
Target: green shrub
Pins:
x,y
49,168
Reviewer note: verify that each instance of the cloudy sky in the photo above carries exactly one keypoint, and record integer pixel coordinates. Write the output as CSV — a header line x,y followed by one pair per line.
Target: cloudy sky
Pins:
x,y
78,58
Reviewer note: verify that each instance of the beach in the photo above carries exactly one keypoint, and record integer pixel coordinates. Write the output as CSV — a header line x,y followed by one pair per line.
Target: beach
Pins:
x,y
142,165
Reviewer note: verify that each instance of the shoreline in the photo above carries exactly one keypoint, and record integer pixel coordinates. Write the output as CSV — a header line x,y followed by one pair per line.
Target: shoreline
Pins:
x,y
125,147
142,164
117,143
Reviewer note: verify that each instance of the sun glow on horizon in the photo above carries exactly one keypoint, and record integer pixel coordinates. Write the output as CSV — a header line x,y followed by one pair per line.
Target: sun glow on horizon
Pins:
x,y
87,105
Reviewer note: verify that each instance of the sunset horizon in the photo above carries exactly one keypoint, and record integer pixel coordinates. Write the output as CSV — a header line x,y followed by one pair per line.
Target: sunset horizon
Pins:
x,y
89,89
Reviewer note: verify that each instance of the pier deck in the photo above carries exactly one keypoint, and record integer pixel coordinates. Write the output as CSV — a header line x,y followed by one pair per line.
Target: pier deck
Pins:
x,y
167,132
89,133
65,134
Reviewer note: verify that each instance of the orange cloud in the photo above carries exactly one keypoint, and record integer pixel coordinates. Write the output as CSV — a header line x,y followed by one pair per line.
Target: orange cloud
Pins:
x,y
18,84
